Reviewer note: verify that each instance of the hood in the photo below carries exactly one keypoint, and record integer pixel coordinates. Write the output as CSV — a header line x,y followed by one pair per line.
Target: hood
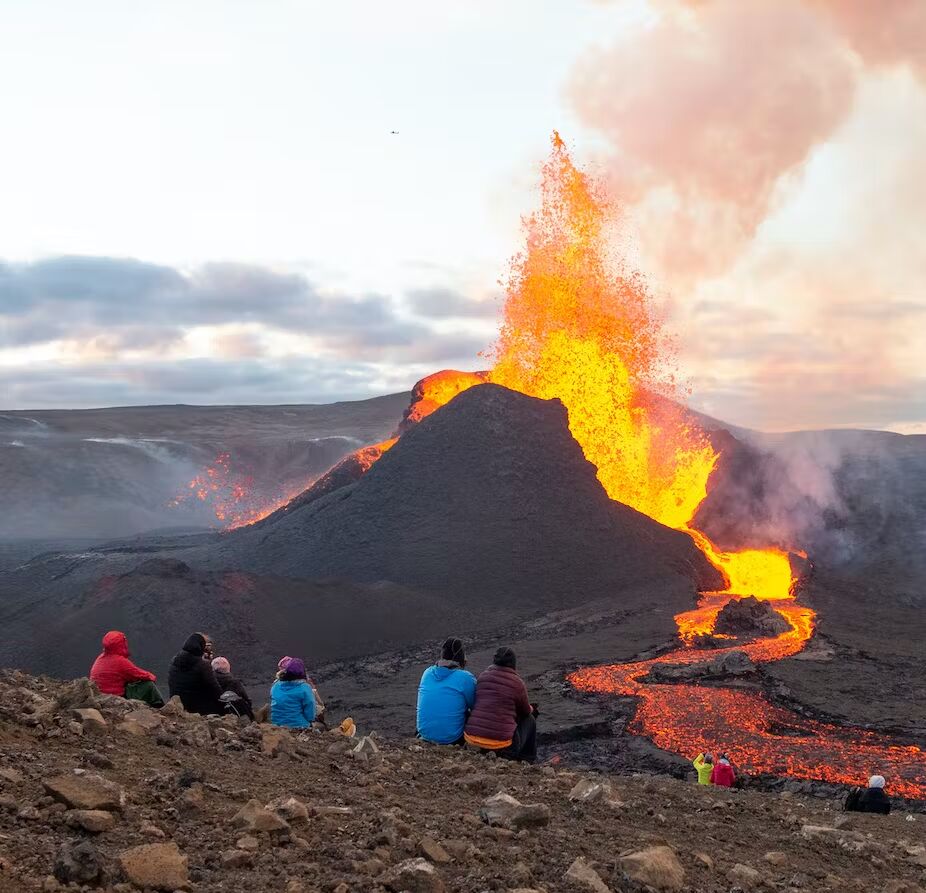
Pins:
x,y
115,642
195,645
184,660
441,671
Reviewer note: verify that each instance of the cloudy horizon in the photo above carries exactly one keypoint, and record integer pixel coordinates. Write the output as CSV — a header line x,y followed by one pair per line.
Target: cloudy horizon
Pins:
x,y
208,204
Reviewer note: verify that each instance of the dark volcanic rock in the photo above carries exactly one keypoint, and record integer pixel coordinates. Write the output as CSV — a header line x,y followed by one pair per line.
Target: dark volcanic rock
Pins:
x,y
488,499
749,617
733,663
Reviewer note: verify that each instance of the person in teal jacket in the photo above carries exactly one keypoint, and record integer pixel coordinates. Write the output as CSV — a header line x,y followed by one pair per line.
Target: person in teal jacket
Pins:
x,y
292,701
446,695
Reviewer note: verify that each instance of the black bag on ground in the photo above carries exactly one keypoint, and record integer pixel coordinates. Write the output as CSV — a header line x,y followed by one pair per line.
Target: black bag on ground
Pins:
x,y
850,804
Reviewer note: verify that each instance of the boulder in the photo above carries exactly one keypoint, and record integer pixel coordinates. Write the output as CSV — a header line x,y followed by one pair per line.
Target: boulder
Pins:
x,y
656,866
160,866
132,728
365,748
91,720
10,775
744,877
147,719
289,809
849,840
414,876
732,663
588,791
750,617
776,858
95,821
77,694
174,707
248,843
77,863
504,811
193,799
254,817
85,792
276,742
581,874
237,859
197,734
431,849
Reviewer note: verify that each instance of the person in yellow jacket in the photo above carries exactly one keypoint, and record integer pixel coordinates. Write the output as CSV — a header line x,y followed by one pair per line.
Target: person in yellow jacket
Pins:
x,y
704,765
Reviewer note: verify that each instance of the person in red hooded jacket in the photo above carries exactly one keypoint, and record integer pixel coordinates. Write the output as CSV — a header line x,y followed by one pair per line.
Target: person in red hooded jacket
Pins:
x,y
115,674
722,773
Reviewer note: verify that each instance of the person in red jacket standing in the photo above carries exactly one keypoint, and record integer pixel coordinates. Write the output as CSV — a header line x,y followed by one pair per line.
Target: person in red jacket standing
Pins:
x,y
115,674
722,774
502,719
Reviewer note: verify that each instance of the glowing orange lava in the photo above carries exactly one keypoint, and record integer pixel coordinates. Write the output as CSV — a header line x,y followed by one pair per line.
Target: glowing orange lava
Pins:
x,y
577,330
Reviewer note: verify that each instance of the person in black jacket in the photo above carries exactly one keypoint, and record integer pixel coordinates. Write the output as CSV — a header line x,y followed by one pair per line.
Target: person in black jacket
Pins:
x,y
192,679
873,798
233,692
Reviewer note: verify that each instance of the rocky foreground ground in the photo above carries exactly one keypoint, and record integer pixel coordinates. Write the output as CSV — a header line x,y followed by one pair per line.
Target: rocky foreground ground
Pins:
x,y
100,794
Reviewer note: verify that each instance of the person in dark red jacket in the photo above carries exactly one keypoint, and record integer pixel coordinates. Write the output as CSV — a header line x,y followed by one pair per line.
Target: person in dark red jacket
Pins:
x,y
502,719
114,674
722,773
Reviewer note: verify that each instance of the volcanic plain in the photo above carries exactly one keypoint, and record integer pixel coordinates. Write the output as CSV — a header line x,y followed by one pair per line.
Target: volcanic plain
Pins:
x,y
486,521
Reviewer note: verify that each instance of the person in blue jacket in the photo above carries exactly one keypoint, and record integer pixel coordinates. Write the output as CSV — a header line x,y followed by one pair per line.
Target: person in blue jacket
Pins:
x,y
292,701
446,695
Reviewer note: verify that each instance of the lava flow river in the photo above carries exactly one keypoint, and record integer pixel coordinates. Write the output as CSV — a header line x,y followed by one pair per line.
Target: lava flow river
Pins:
x,y
758,736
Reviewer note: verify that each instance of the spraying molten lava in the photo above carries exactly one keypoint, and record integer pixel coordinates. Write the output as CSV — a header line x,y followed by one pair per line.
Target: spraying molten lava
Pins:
x,y
577,330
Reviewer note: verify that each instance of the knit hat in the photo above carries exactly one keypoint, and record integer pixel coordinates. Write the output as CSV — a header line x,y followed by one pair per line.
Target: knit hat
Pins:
x,y
505,657
876,781
221,665
295,667
452,649
283,662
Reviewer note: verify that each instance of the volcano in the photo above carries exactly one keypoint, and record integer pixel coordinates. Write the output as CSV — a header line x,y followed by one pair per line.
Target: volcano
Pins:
x,y
483,514
489,498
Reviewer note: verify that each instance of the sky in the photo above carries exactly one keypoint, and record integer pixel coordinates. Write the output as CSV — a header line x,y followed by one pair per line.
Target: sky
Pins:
x,y
205,203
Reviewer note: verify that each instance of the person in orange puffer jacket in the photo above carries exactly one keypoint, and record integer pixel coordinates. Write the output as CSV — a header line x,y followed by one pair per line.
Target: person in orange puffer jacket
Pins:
x,y
723,775
114,674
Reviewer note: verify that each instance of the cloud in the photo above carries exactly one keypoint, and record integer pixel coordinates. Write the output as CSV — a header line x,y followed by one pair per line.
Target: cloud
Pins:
x,y
194,381
445,303
103,331
67,297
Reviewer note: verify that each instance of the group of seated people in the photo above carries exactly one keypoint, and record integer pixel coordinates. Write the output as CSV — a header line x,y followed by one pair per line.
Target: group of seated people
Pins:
x,y
491,713
205,684
720,773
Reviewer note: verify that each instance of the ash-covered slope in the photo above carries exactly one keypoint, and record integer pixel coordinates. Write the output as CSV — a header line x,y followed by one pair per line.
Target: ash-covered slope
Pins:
x,y
99,473
489,499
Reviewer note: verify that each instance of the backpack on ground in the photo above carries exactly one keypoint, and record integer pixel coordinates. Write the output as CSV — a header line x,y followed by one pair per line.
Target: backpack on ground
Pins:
x,y
851,803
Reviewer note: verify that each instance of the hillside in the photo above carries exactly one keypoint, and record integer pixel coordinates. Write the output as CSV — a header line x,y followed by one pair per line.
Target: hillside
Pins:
x,y
177,802
95,473
484,515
